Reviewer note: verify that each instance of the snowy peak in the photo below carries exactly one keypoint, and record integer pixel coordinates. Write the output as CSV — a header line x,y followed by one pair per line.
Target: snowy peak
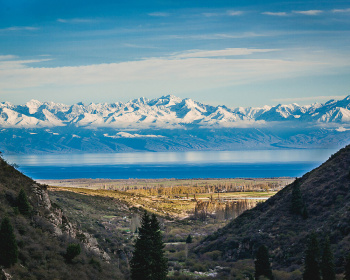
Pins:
x,y
167,111
33,106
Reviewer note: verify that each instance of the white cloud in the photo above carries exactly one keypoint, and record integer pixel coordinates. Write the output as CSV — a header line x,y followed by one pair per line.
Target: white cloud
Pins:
x,y
139,46
17,64
180,73
219,36
220,53
279,14
341,10
76,20
309,98
211,14
6,57
20,28
228,13
234,13
309,12
130,135
159,14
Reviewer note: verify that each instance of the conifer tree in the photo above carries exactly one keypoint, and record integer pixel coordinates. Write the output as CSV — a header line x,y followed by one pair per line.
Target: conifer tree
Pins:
x,y
23,204
327,264
148,261
312,269
298,206
8,244
189,239
347,267
159,266
262,263
141,261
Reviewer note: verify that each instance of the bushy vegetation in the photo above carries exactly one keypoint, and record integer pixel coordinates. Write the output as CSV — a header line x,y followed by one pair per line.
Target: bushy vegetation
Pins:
x,y
325,193
8,244
73,250
40,251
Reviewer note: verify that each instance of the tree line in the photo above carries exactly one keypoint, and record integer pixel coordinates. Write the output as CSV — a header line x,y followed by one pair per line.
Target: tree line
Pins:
x,y
190,190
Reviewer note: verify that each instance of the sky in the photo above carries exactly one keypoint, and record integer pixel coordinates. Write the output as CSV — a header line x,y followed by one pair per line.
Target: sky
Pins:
x,y
233,53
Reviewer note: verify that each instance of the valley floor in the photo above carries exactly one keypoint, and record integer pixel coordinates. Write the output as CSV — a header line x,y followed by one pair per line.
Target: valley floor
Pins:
x,y
111,209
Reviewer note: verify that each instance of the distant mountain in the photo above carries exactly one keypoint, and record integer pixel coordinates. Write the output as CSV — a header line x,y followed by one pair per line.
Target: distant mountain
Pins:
x,y
326,194
169,123
164,112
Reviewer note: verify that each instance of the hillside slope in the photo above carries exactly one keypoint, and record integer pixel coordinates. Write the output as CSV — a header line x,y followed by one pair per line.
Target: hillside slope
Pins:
x,y
44,235
326,193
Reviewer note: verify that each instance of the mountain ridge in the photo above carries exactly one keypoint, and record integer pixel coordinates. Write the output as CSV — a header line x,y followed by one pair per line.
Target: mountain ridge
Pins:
x,y
325,192
166,112
170,123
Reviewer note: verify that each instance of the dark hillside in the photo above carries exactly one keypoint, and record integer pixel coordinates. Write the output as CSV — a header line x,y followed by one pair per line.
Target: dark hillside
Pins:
x,y
44,234
326,195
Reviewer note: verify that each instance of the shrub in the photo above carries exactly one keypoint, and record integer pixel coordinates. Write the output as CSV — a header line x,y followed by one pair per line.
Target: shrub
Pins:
x,y
8,244
73,250
23,204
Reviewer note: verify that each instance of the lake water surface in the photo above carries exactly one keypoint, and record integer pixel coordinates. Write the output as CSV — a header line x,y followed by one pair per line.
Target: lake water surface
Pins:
x,y
198,164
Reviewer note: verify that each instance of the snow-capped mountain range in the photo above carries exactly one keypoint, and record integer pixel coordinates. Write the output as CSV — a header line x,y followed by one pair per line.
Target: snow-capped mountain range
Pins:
x,y
169,123
165,112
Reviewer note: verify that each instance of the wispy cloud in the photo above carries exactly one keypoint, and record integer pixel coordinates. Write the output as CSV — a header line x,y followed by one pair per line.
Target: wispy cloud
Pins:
x,y
309,12
341,10
211,14
278,14
193,70
140,46
227,13
7,57
20,28
159,14
309,98
234,13
218,36
12,62
76,20
222,53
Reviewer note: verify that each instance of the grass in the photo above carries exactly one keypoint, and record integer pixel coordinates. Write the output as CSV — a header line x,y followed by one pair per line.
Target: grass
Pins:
x,y
162,205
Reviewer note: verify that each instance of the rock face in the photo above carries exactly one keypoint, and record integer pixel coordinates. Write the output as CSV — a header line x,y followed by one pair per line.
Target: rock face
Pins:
x,y
60,222
4,275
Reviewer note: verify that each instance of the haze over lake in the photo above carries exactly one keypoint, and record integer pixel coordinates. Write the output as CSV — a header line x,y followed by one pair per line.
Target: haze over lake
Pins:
x,y
181,165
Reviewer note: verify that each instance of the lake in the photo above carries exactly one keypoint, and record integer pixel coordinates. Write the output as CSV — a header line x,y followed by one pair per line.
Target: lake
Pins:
x,y
180,165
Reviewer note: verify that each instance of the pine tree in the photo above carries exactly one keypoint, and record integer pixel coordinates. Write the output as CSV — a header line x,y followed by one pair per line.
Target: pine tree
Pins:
x,y
141,261
189,239
347,267
298,206
8,244
327,264
159,262
312,270
23,204
262,263
148,261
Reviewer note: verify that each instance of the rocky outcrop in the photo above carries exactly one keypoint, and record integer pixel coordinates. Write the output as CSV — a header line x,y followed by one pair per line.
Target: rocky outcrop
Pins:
x,y
61,225
4,275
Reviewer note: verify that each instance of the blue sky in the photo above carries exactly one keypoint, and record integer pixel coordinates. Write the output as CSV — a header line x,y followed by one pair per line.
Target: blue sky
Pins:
x,y
237,53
